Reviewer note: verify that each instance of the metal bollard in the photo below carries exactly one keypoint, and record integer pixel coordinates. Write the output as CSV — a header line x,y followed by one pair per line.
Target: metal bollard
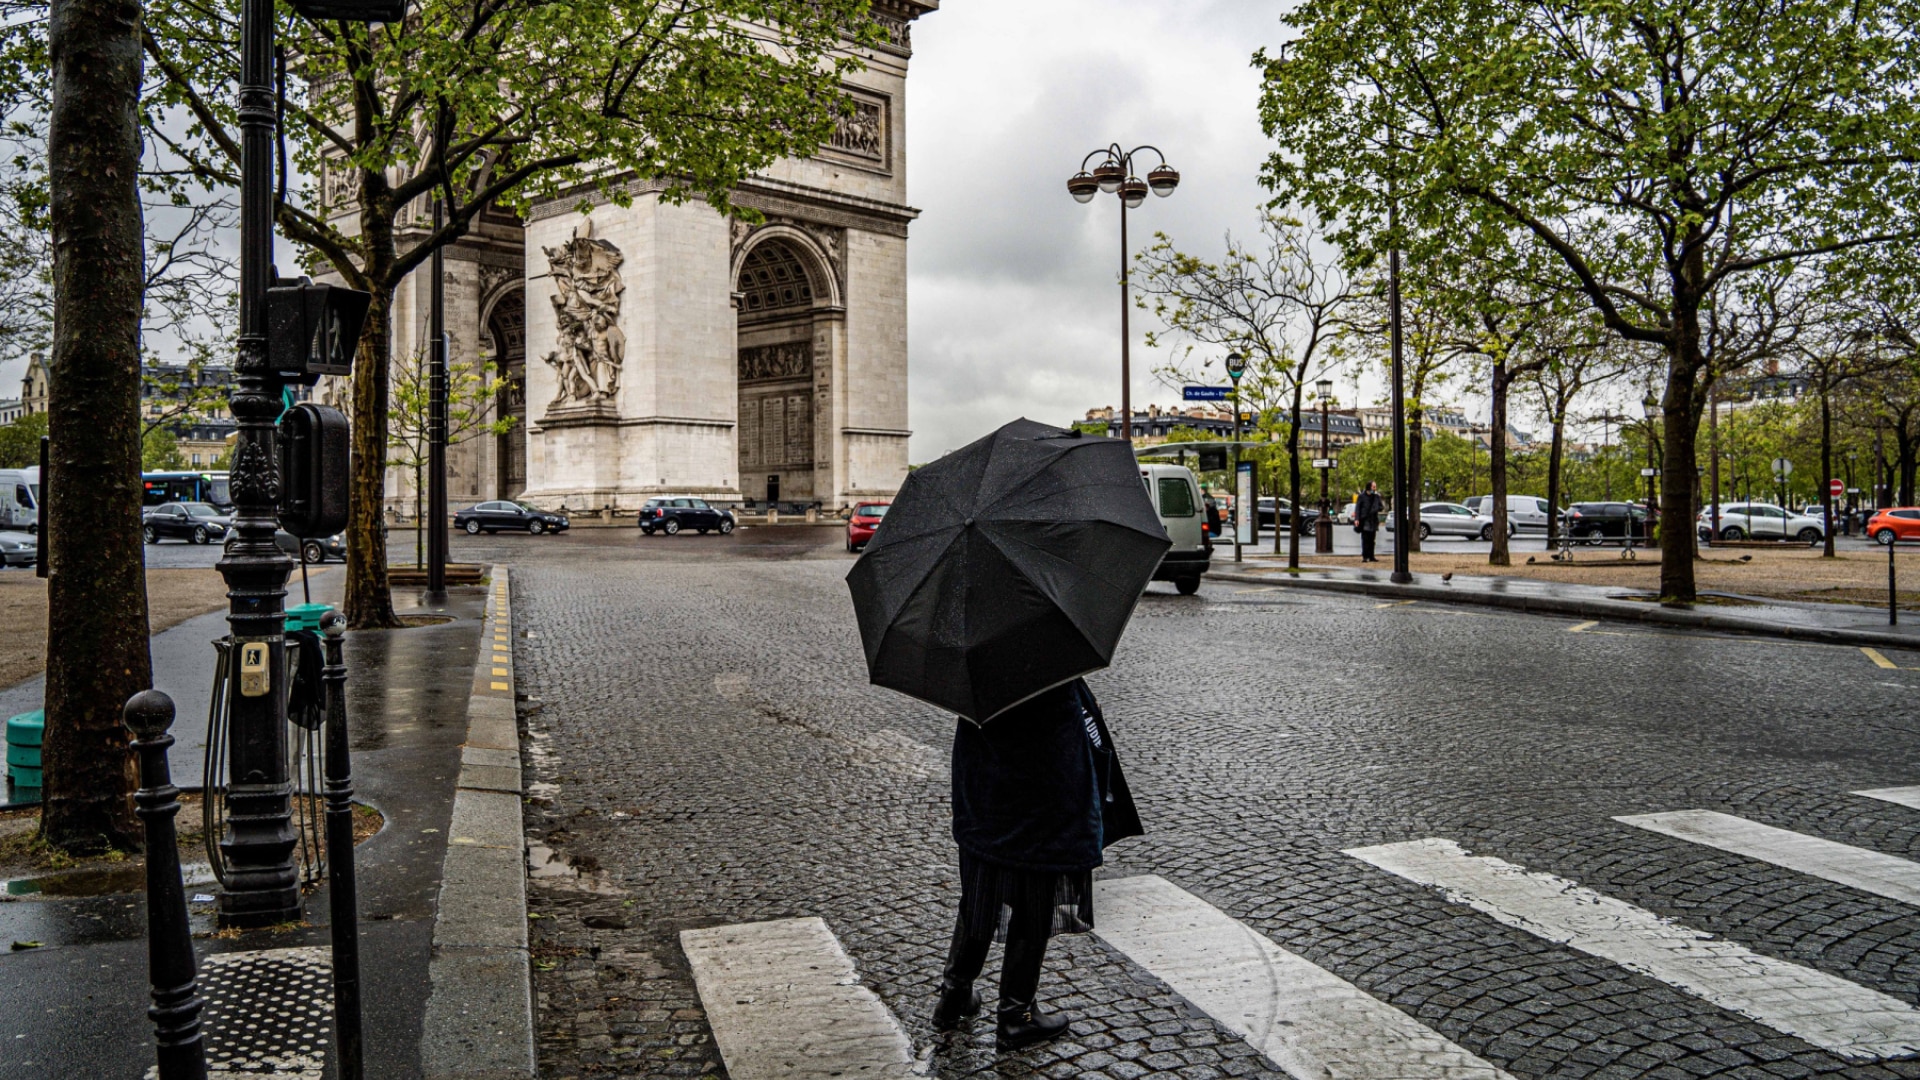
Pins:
x,y
343,906
171,972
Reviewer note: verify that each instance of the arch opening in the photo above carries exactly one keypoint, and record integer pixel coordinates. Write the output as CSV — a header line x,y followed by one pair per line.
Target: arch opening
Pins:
x,y
778,292
507,331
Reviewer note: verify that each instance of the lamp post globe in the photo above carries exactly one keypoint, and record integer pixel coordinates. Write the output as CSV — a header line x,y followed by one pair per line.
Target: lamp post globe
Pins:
x,y
1082,186
1163,179
1110,174
1133,192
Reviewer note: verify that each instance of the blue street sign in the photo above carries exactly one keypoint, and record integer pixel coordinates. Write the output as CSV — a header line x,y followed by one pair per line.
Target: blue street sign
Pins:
x,y
1208,393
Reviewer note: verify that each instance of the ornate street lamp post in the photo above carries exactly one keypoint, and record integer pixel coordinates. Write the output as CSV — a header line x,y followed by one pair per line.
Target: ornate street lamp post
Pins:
x,y
1323,525
1236,367
1115,176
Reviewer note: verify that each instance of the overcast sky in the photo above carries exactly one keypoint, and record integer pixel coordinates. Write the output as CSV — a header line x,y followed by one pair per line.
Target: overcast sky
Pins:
x,y
1013,294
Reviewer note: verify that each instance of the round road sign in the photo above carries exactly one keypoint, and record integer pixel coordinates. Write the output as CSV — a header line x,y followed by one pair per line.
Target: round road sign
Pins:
x,y
1836,488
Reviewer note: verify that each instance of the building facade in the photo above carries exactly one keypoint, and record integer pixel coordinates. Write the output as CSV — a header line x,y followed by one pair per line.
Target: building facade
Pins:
x,y
667,349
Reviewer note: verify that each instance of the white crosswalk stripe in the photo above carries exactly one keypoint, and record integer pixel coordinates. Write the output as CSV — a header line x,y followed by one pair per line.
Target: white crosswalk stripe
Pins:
x,y
1308,1021
784,1001
1904,796
1848,1019
1869,871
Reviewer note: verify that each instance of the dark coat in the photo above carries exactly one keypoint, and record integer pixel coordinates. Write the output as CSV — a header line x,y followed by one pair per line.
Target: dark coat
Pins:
x,y
1367,509
1032,791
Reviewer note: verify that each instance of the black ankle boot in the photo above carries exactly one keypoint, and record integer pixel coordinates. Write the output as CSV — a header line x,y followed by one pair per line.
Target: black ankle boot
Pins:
x,y
958,998
1022,1022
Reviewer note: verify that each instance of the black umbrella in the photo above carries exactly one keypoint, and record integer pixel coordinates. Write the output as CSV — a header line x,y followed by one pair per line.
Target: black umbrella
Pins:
x,y
1006,568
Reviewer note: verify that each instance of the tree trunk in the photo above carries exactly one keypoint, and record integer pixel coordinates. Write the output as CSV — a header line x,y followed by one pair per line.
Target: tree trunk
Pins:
x,y
1826,464
96,590
1556,453
1908,465
1497,470
1293,478
369,605
1680,421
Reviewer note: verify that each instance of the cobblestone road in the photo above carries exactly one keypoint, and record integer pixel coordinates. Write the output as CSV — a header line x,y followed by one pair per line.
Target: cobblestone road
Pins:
x,y
705,750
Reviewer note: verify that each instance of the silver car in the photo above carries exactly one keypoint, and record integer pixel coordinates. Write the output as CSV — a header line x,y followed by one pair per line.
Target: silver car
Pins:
x,y
1451,519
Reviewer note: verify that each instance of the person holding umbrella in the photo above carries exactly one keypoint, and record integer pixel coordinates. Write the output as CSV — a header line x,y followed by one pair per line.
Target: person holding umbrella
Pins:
x,y
1009,569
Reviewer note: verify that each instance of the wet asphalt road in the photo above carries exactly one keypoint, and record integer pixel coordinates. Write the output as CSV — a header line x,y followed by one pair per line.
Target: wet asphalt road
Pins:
x,y
705,749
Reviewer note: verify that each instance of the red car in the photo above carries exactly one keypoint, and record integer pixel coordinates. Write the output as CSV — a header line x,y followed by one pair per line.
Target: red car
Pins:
x,y
866,518
1896,523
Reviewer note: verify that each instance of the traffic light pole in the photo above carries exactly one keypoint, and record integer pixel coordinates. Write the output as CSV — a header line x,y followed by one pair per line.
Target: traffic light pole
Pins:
x,y
261,888
435,519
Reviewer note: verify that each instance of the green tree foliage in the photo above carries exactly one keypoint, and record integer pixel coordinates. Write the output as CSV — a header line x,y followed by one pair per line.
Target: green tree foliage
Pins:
x,y
20,441
1663,150
160,451
471,392
485,105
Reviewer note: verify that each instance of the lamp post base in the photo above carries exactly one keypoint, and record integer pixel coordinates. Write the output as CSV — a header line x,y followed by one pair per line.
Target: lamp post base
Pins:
x,y
1323,536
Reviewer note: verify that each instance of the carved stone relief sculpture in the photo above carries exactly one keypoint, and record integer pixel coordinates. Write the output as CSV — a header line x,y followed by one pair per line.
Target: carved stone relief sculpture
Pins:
x,y
792,360
586,303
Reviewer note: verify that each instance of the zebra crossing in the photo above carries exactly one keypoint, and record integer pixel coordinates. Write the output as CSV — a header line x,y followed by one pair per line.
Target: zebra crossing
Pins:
x,y
785,1000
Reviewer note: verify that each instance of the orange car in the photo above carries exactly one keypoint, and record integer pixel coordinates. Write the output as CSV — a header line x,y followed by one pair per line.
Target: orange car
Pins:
x,y
1896,523
866,518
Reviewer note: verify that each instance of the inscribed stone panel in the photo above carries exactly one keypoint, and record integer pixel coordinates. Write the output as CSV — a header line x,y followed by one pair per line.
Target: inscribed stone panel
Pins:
x,y
749,429
799,449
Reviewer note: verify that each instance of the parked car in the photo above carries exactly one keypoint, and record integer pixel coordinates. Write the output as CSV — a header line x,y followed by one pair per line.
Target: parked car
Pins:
x,y
866,518
1761,521
20,500
194,522
670,515
1276,512
508,514
1896,523
1592,522
1525,513
1176,498
18,548
1450,519
313,551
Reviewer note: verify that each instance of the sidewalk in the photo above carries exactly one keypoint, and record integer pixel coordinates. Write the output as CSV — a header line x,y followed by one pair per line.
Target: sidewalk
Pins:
x,y
1839,624
269,992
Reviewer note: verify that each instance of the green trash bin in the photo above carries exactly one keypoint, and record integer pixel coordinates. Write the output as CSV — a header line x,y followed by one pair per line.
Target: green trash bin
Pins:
x,y
24,734
306,616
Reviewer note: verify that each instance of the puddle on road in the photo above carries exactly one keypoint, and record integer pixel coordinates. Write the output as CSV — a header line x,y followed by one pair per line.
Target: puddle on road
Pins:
x,y
104,881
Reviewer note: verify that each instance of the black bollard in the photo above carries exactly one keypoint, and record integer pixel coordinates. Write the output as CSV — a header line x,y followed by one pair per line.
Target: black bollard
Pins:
x,y
1893,595
343,907
171,971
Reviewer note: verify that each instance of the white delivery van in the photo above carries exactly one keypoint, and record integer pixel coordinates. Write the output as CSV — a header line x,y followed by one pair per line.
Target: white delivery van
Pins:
x,y
1176,498
20,500
1525,513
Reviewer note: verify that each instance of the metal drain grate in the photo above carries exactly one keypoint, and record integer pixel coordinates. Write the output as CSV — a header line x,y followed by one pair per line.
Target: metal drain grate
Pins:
x,y
269,1013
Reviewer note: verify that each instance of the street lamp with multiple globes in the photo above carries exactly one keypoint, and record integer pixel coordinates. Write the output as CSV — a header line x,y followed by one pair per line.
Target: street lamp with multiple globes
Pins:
x,y
1115,176
1236,367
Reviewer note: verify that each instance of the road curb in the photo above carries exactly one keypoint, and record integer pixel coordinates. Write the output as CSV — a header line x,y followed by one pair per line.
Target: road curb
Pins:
x,y
1619,610
479,1022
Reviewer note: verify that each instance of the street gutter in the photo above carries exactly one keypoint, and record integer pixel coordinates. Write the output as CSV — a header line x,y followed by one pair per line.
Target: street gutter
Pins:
x,y
479,1022
1618,610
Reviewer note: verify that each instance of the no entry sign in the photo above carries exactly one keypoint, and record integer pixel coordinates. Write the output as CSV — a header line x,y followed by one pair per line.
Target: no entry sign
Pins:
x,y
1836,489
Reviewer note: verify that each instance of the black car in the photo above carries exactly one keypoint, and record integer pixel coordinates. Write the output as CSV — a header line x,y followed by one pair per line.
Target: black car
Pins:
x,y
671,515
1592,522
194,522
312,551
1270,508
507,514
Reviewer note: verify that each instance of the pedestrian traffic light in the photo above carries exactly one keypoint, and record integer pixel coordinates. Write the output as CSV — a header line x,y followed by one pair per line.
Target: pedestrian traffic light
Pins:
x,y
313,470
380,11
314,330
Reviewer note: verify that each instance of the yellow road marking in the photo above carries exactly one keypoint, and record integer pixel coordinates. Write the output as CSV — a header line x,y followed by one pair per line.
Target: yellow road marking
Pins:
x,y
500,671
1879,660
501,686
1583,626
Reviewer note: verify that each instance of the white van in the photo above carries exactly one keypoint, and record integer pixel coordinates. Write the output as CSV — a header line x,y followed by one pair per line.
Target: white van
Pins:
x,y
20,500
1525,513
1176,498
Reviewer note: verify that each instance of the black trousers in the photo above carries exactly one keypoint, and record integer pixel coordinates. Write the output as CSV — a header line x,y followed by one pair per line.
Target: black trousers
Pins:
x,y
1366,542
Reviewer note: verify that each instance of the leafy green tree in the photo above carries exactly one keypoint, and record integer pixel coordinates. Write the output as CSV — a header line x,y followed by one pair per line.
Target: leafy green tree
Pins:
x,y
1705,140
160,450
20,441
494,104
1280,304
471,392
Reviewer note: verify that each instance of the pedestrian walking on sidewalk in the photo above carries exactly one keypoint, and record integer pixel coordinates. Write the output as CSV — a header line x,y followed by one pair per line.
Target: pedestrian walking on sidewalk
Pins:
x,y
1037,795
1007,571
1367,508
